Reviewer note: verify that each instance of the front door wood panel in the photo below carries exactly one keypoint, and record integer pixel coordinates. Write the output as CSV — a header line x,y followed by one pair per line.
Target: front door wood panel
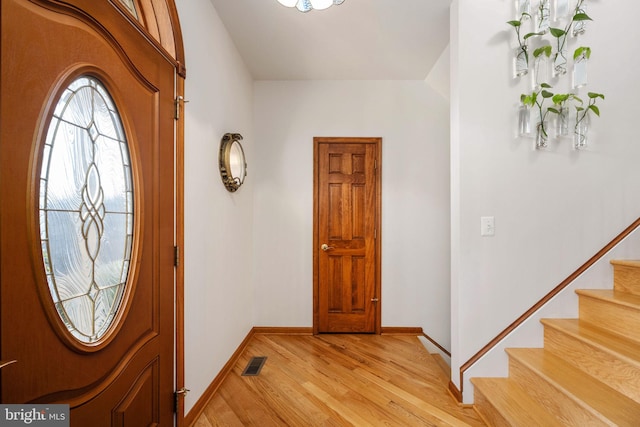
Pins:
x,y
347,200
129,381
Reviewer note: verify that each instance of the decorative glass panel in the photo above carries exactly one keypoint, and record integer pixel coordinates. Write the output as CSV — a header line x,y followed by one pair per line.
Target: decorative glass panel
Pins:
x,y
131,7
86,209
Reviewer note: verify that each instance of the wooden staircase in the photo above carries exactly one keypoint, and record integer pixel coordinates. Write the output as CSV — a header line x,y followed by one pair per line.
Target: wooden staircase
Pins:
x,y
587,374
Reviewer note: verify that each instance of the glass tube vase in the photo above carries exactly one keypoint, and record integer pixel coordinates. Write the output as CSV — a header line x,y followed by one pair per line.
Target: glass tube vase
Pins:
x,y
542,138
520,61
524,120
562,121
560,62
580,71
543,16
580,134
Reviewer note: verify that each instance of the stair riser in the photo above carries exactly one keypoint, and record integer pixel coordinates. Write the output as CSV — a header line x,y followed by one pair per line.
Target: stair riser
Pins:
x,y
552,398
626,279
618,374
616,318
487,411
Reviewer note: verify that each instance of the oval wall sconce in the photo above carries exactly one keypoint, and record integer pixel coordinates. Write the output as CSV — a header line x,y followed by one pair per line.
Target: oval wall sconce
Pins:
x,y
232,163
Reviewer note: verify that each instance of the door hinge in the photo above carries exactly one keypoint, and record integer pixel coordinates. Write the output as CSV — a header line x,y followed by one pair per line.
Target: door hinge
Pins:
x,y
182,393
178,100
176,256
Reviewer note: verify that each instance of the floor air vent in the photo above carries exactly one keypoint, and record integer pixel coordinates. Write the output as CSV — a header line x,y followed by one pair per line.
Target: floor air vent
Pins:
x,y
254,366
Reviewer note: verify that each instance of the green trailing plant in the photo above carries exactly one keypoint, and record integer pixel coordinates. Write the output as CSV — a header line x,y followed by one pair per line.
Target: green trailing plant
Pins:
x,y
522,40
561,110
582,111
559,34
578,16
537,99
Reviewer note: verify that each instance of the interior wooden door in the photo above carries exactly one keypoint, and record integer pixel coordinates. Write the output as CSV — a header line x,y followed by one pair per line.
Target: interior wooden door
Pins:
x,y
346,237
125,376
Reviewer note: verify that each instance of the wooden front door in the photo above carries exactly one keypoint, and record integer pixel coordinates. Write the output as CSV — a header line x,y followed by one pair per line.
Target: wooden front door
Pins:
x,y
347,235
124,375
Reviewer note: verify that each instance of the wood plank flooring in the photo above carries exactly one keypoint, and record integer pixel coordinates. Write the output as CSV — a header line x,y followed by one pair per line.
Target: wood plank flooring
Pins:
x,y
337,380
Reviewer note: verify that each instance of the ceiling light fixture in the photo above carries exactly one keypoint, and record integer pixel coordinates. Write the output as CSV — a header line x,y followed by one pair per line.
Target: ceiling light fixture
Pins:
x,y
307,5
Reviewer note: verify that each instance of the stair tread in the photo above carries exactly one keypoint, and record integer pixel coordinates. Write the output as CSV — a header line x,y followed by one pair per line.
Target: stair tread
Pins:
x,y
611,404
617,297
626,262
513,402
625,349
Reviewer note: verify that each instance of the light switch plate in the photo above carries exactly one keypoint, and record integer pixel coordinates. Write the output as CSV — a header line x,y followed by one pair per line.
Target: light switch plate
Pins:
x,y
487,226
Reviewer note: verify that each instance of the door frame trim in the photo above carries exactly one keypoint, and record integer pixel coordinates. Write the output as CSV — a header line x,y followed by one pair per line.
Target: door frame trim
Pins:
x,y
377,142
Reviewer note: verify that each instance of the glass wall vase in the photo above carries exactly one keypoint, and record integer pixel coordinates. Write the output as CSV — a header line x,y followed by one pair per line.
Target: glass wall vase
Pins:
x,y
580,71
561,9
524,120
580,134
543,16
522,6
560,59
579,27
520,61
562,121
540,71
542,138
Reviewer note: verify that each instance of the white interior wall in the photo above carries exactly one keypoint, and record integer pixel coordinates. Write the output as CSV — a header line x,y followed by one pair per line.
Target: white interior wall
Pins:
x,y
439,76
267,223
412,119
553,209
218,224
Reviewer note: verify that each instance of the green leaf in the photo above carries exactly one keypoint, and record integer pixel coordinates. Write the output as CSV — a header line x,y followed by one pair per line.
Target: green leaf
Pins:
x,y
514,23
544,49
579,108
529,35
522,98
553,110
560,98
545,85
581,17
582,50
593,95
557,32
546,94
595,110
577,99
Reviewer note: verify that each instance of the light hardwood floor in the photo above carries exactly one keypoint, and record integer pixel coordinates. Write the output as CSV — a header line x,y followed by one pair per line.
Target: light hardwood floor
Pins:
x,y
337,380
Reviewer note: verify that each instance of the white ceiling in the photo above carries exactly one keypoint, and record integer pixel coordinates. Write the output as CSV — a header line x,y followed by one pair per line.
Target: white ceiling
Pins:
x,y
357,40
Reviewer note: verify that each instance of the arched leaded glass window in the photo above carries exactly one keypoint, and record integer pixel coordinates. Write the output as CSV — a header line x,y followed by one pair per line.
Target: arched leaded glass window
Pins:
x,y
86,209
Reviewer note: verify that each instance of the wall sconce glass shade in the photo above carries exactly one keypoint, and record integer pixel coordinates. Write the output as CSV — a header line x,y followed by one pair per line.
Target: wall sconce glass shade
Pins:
x,y
232,163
